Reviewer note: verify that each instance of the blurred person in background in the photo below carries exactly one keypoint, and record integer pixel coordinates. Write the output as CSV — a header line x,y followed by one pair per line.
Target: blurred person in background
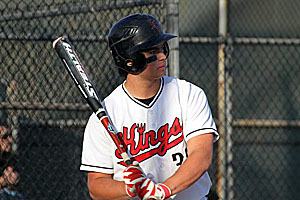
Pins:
x,y
9,175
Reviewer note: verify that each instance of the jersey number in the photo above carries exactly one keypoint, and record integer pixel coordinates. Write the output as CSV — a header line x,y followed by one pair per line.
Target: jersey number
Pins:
x,y
178,157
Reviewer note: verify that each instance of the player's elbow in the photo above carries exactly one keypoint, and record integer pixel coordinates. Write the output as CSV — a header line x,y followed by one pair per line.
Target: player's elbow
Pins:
x,y
201,151
207,159
93,193
94,183
204,160
207,162
93,196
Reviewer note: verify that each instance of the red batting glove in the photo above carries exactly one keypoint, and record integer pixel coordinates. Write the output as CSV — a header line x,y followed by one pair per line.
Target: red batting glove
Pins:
x,y
133,177
150,190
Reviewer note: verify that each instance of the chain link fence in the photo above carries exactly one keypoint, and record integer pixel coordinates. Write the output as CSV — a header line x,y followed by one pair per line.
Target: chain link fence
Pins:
x,y
249,68
250,75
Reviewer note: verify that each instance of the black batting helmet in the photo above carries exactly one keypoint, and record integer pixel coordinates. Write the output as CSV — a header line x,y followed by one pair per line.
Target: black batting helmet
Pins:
x,y
132,34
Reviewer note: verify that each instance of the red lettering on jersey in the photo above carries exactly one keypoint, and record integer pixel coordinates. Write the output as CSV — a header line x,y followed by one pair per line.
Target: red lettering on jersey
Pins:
x,y
160,141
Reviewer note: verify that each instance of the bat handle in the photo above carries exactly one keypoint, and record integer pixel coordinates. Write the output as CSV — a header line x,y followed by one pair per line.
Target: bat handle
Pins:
x,y
118,141
126,158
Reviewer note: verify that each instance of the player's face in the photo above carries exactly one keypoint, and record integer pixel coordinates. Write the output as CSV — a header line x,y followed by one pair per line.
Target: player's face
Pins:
x,y
155,69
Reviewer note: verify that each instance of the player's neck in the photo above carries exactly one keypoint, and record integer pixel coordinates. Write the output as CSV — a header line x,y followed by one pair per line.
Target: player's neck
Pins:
x,y
142,88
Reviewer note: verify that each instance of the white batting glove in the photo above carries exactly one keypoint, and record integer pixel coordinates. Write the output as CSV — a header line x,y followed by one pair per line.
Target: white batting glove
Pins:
x,y
150,190
133,177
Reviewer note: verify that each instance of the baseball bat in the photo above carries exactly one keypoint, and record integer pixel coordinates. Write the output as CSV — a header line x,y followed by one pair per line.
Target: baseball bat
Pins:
x,y
71,61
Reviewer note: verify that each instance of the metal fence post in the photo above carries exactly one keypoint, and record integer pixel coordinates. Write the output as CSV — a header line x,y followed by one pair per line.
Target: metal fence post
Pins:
x,y
228,119
173,27
225,179
221,125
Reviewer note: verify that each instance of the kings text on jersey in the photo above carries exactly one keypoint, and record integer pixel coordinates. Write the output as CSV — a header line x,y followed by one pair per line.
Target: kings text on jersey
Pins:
x,y
147,144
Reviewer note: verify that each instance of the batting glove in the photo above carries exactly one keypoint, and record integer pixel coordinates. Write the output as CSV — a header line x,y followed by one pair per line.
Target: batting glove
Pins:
x,y
150,190
133,177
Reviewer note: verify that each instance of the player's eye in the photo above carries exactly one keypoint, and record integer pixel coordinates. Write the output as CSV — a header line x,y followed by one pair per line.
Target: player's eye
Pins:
x,y
153,52
156,50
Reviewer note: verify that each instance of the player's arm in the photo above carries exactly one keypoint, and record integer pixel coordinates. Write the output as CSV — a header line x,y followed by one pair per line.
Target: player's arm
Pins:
x,y
200,150
199,147
102,186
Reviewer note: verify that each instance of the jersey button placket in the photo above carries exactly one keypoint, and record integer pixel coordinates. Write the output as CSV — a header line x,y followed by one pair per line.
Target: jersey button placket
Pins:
x,y
151,119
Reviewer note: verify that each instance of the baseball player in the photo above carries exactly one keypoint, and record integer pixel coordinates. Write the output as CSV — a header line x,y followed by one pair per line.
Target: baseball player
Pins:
x,y
166,124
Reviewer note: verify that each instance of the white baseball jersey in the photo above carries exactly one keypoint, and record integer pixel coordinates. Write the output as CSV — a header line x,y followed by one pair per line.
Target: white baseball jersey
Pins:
x,y
155,134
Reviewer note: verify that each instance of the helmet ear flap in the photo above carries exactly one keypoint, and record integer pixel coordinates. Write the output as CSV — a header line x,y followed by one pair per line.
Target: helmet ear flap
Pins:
x,y
137,64
118,59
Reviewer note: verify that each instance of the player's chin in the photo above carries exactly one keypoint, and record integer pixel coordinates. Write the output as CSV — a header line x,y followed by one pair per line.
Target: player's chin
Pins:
x,y
161,71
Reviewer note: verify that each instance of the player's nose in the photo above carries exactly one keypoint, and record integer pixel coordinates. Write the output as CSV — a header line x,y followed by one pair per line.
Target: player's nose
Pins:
x,y
161,56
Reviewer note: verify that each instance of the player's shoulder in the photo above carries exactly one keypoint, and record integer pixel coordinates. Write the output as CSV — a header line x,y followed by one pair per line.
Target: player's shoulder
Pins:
x,y
93,119
169,80
183,85
114,95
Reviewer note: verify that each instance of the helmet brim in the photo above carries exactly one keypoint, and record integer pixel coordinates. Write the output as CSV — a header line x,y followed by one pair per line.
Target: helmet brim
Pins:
x,y
151,43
